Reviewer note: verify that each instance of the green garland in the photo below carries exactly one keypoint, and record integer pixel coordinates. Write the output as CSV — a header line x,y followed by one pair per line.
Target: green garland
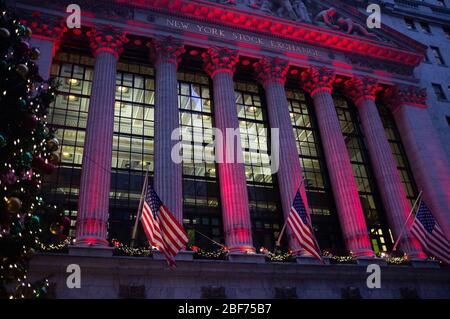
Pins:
x,y
124,250
277,255
54,247
220,254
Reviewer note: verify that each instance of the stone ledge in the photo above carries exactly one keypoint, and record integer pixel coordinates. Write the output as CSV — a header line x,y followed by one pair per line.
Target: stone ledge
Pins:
x,y
309,260
182,255
247,258
90,251
102,277
417,263
365,261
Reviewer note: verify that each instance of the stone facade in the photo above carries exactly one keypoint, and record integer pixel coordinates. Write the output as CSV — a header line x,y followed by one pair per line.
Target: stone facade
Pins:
x,y
103,277
323,49
437,17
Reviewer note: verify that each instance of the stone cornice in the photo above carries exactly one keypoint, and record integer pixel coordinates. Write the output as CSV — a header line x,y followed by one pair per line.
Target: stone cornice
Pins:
x,y
255,22
305,33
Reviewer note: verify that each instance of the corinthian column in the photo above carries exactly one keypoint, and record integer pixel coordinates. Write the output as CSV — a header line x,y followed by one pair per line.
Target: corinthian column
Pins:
x,y
93,205
271,72
47,32
165,53
219,63
430,166
318,82
362,91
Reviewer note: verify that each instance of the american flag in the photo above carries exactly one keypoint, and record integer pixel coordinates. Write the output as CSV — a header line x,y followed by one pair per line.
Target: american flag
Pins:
x,y
162,229
430,235
298,221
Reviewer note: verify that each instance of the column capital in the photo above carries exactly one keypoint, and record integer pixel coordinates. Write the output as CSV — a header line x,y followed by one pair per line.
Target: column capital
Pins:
x,y
46,27
220,59
361,87
396,96
107,39
316,79
166,49
270,69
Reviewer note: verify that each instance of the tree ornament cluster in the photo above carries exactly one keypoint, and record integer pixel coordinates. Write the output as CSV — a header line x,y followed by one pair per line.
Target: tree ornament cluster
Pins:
x,y
28,151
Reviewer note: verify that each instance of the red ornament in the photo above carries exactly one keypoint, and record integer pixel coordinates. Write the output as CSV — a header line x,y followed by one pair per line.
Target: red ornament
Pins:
x,y
194,248
30,122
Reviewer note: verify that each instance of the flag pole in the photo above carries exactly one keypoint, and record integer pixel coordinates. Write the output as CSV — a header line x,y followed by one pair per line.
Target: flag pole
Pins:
x,y
139,212
281,234
406,222
285,222
311,228
210,239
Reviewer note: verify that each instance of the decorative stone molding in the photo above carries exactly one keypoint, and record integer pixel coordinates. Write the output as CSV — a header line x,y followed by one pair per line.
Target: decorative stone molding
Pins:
x,y
316,79
46,27
107,39
361,88
166,49
399,95
220,59
271,70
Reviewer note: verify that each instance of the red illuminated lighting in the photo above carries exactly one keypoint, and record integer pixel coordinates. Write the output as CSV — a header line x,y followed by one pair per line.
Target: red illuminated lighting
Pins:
x,y
193,52
296,31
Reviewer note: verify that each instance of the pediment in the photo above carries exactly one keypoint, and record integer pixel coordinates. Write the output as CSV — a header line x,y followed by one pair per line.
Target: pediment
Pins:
x,y
333,17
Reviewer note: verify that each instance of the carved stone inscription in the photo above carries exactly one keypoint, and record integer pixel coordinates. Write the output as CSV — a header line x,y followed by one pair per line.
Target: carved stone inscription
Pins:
x,y
256,40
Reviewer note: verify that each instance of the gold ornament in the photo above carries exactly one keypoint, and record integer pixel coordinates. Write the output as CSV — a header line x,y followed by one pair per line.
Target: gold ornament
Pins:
x,y
53,144
55,229
22,70
13,205
4,33
35,53
54,158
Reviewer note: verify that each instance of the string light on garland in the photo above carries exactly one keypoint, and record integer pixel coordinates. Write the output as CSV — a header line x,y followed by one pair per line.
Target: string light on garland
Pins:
x,y
54,247
123,250
278,255
221,253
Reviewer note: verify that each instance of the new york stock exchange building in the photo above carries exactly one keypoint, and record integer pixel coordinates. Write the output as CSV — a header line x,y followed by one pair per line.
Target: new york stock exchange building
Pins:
x,y
353,130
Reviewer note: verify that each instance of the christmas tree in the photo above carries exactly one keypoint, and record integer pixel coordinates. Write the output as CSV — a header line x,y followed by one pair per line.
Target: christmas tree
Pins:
x,y
27,152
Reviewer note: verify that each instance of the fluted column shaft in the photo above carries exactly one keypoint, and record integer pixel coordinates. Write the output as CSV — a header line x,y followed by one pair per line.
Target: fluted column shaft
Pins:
x,y
93,205
168,179
430,166
271,73
362,91
318,82
219,64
